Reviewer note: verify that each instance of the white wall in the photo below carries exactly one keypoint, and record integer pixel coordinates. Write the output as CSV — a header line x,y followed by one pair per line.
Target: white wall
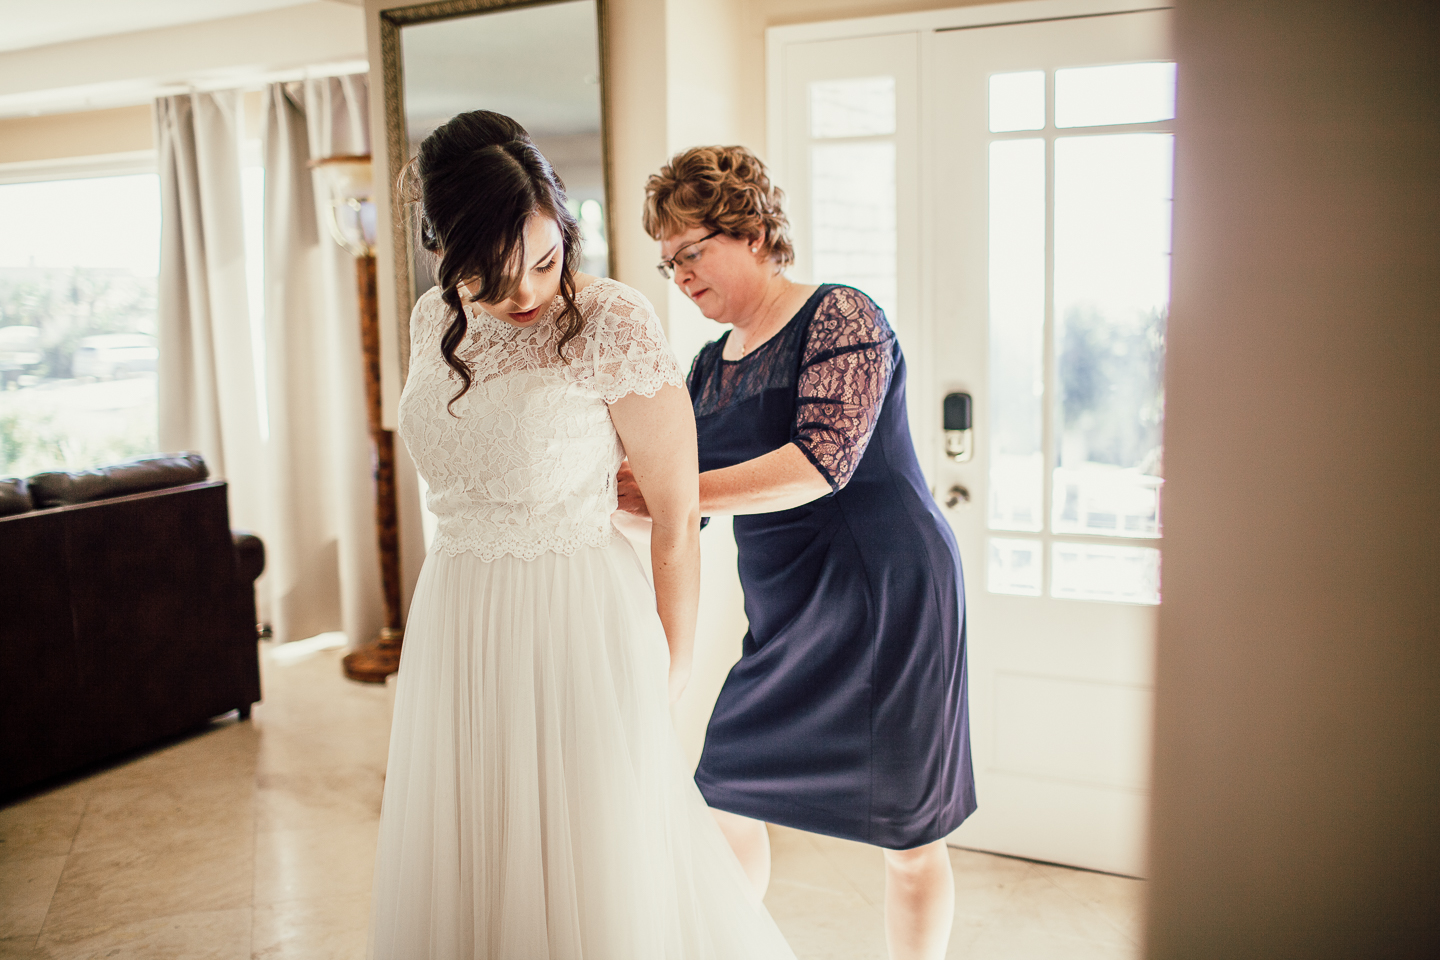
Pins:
x,y
1297,758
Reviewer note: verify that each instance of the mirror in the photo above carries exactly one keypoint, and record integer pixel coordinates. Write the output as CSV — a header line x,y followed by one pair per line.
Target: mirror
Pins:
x,y
444,58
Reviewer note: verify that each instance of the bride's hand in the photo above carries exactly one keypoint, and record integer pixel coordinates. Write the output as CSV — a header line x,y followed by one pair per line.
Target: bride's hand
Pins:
x,y
629,499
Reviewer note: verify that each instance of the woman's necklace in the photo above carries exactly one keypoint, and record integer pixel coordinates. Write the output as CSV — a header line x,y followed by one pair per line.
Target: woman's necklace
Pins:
x,y
769,321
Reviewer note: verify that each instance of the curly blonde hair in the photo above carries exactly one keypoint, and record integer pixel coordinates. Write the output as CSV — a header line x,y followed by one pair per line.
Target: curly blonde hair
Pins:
x,y
723,188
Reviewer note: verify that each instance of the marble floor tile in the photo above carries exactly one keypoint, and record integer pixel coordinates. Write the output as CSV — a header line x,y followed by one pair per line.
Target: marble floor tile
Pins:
x,y
317,798
1040,907
221,752
26,888
18,948
804,858
1121,900
861,865
1004,906
1003,942
297,749
118,885
825,924
167,811
257,839
40,826
323,928
208,935
335,861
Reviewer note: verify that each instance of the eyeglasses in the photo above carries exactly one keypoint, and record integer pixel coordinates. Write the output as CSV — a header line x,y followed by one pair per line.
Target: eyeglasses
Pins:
x,y
667,268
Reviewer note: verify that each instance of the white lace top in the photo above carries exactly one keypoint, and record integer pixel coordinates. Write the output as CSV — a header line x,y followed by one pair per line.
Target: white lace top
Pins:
x,y
527,462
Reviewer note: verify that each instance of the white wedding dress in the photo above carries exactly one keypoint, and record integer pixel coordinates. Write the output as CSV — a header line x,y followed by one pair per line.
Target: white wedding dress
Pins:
x,y
537,804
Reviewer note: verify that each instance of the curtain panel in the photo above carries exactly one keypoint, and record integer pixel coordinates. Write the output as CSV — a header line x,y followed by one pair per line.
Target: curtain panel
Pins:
x,y
307,488
207,392
324,572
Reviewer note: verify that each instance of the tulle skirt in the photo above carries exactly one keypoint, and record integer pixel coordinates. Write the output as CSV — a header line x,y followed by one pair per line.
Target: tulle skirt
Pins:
x,y
537,804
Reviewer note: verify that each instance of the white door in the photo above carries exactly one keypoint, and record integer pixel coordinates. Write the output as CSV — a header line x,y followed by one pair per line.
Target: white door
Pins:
x,y
1036,237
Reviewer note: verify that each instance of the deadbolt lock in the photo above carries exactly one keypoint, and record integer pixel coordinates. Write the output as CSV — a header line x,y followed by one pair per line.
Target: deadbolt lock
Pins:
x,y
959,437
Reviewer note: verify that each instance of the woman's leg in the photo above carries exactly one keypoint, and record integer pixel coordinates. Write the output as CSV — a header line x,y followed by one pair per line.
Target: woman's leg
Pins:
x,y
751,843
919,902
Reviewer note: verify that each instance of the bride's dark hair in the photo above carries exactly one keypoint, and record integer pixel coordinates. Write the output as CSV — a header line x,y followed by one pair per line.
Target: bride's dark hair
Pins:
x,y
480,178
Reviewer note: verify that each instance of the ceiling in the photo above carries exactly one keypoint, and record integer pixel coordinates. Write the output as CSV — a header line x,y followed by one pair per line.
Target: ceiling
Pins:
x,y
35,23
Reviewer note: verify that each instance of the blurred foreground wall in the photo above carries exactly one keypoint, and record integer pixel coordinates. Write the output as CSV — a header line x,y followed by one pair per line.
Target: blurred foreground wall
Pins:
x,y
1297,775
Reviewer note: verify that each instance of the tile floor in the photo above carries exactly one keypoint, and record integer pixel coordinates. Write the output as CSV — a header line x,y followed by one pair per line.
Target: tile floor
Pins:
x,y
256,840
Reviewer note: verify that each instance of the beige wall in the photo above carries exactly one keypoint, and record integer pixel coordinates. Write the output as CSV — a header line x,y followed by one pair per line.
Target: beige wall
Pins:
x,y
1297,767
60,136
64,135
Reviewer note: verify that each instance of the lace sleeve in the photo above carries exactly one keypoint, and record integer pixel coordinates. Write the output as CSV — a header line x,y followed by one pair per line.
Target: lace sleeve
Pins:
x,y
845,368
629,350
427,321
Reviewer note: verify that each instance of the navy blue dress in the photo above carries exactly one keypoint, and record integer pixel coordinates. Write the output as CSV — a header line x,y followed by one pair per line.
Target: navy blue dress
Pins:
x,y
846,714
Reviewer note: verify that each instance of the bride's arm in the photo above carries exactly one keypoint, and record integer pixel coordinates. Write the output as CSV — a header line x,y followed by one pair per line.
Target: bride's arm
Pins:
x,y
659,437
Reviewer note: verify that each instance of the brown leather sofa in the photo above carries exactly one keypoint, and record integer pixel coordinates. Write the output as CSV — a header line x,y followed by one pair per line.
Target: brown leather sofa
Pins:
x,y
127,614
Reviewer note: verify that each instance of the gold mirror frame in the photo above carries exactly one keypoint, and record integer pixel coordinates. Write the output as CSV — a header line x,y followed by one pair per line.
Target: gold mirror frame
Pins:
x,y
397,144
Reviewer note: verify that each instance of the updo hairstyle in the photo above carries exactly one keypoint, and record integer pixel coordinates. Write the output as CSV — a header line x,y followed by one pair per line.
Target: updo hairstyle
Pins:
x,y
720,188
478,178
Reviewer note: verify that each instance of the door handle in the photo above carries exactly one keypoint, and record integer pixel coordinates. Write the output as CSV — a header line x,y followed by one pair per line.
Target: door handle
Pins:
x,y
956,495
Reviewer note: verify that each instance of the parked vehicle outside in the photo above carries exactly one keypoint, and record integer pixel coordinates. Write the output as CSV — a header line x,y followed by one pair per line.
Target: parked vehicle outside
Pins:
x,y
20,353
112,355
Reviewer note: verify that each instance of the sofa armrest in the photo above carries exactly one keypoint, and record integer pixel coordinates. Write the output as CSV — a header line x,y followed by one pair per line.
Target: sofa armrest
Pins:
x,y
249,555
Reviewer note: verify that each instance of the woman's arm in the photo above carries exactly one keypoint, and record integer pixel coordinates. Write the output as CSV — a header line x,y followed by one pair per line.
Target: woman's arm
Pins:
x,y
779,480
659,437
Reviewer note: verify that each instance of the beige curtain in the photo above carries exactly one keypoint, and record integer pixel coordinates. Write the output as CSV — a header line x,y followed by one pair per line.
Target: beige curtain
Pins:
x,y
324,568
207,395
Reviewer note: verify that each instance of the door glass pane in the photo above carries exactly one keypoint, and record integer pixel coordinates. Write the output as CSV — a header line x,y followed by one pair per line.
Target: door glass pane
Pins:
x,y
1014,567
1017,101
852,192
1099,571
1124,93
862,107
1112,293
1017,329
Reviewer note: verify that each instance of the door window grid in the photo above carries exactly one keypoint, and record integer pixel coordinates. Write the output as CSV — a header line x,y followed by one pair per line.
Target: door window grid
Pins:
x,y
1090,495
853,203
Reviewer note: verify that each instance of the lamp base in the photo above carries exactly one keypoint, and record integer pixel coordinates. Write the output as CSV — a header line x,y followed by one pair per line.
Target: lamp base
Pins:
x,y
376,660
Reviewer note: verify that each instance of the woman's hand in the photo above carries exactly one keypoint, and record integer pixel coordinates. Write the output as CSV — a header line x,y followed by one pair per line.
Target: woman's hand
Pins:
x,y
628,497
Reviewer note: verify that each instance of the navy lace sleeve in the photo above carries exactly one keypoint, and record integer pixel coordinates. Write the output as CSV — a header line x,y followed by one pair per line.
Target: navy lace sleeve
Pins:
x,y
845,367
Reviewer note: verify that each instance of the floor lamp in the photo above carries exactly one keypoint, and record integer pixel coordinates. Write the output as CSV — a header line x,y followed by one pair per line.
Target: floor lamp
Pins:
x,y
352,224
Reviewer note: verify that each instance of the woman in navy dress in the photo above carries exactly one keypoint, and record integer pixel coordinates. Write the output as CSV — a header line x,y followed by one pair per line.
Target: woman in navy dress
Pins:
x,y
846,713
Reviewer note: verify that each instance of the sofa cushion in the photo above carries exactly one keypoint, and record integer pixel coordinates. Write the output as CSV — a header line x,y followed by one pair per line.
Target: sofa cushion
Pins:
x,y
14,496
134,476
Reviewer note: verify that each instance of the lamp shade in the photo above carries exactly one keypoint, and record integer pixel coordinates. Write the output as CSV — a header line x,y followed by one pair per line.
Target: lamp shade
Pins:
x,y
348,188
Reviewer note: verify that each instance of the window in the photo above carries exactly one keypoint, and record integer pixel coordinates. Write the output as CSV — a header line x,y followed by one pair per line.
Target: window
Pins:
x,y
1091,209
852,183
78,347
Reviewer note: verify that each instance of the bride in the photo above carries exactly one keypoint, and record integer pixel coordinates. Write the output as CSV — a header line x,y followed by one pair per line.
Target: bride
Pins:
x,y
536,801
